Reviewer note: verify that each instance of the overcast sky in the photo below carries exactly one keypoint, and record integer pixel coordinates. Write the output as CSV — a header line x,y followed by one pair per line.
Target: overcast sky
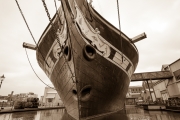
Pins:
x,y
159,19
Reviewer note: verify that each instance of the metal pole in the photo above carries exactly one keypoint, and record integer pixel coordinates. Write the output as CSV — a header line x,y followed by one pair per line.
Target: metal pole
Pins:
x,y
153,89
149,89
1,83
2,78
12,105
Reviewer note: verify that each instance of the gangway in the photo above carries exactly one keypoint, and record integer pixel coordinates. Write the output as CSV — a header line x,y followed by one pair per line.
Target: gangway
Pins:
x,y
151,76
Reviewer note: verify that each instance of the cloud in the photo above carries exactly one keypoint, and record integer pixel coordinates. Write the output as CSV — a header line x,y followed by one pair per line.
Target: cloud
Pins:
x,y
162,26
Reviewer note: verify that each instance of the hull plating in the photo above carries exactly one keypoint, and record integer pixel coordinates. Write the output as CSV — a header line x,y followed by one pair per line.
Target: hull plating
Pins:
x,y
84,60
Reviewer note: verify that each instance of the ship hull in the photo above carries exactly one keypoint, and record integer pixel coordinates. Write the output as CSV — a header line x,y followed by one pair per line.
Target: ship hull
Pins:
x,y
86,61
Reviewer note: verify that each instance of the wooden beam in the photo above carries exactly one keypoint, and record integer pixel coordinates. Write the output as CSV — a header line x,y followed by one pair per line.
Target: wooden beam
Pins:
x,y
29,46
158,75
139,37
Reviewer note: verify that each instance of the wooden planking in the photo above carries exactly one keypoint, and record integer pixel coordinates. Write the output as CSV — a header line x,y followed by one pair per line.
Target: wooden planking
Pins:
x,y
114,38
98,73
106,78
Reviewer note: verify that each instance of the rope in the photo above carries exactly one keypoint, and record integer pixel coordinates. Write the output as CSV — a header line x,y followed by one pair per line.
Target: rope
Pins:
x,y
25,21
34,42
35,72
120,28
30,30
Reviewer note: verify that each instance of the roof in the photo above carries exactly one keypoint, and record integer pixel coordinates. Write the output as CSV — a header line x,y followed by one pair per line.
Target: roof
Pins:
x,y
164,66
50,96
134,86
52,92
174,61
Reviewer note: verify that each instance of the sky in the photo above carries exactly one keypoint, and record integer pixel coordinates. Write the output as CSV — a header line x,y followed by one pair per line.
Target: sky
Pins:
x,y
159,19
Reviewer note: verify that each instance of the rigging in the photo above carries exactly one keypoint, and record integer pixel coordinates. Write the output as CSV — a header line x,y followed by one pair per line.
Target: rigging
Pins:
x,y
34,42
35,72
50,20
30,30
120,28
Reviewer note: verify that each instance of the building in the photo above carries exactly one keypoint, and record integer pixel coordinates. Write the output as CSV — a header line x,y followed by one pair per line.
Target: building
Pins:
x,y
3,99
161,90
135,89
134,95
148,90
50,98
173,85
148,95
31,94
23,96
169,88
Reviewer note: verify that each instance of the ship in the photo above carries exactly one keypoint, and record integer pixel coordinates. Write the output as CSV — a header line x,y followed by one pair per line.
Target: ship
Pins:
x,y
87,59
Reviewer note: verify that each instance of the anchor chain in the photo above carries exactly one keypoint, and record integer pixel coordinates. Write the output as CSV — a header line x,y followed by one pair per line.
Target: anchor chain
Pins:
x,y
50,20
46,9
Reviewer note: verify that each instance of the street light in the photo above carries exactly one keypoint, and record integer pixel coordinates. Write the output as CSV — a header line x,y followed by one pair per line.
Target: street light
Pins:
x,y
2,78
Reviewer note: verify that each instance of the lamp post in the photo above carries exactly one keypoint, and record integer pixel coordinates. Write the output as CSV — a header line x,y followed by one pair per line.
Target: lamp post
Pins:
x,y
2,78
